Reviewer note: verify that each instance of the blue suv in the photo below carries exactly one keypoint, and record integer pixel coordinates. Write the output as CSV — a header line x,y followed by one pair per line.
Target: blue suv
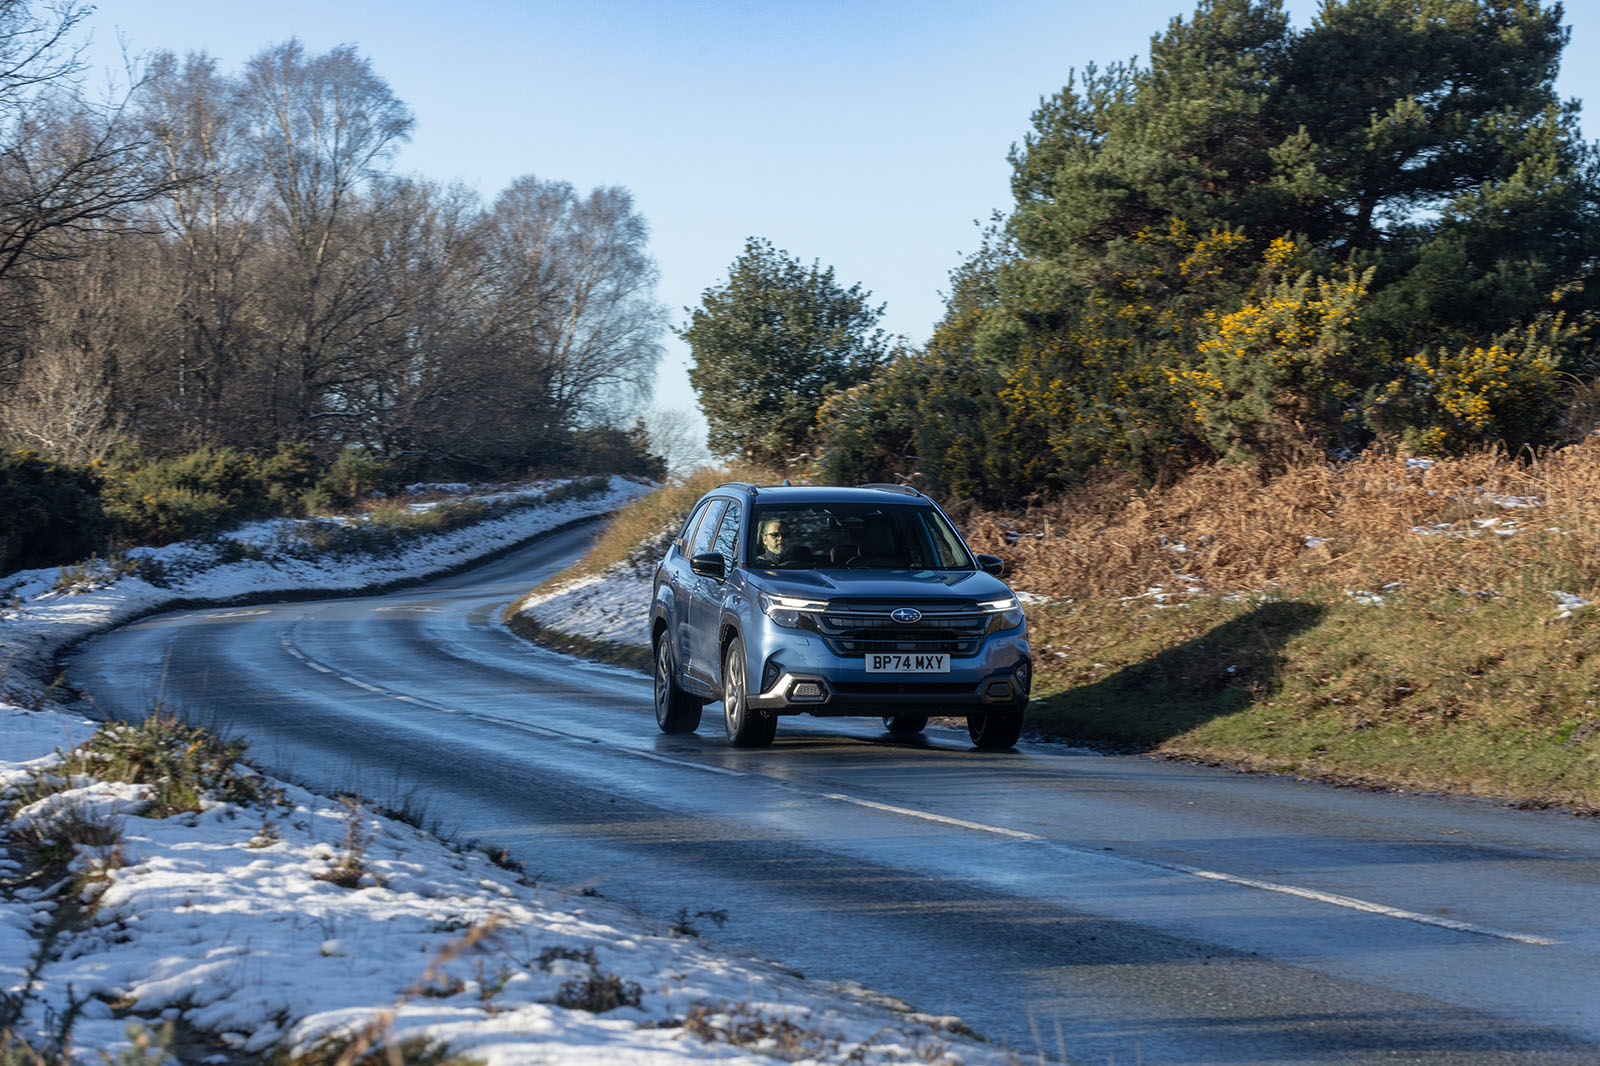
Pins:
x,y
790,599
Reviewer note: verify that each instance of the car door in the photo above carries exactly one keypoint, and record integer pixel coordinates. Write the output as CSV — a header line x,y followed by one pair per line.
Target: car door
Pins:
x,y
706,610
695,590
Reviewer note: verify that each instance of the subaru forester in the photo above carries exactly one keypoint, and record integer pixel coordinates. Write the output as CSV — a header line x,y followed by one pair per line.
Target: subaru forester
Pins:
x,y
787,599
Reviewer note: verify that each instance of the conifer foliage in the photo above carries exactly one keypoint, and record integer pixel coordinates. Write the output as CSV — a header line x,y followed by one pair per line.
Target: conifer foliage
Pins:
x,y
1272,242
770,344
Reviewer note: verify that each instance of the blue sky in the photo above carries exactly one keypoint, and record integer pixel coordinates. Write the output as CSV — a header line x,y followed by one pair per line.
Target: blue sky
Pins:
x,y
867,135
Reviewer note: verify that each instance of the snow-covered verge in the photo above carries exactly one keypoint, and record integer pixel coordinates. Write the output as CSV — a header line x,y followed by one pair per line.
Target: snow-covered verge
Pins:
x,y
38,618
285,924
295,923
611,607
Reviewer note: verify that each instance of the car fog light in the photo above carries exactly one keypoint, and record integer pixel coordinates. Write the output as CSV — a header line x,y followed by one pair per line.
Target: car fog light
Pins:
x,y
806,690
998,690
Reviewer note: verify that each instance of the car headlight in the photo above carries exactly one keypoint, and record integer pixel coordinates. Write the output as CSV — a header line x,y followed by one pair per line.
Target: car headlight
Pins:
x,y
1003,613
791,612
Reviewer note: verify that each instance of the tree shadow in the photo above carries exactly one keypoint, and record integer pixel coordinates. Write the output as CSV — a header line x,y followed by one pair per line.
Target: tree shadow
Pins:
x,y
1218,673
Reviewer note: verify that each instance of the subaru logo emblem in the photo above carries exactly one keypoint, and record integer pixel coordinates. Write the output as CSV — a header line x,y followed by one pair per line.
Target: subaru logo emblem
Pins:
x,y
905,614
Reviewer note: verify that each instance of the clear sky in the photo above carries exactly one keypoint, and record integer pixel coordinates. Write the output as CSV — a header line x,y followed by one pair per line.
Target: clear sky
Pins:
x,y
867,134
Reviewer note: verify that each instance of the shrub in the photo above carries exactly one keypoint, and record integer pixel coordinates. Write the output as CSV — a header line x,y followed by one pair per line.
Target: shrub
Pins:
x,y
350,478
184,762
598,993
50,513
163,500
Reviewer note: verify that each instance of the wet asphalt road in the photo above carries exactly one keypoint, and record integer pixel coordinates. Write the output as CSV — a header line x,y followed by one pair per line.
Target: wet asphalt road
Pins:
x,y
1094,908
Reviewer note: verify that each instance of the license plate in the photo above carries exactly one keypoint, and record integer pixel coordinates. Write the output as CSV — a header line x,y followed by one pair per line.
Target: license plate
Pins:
x,y
900,662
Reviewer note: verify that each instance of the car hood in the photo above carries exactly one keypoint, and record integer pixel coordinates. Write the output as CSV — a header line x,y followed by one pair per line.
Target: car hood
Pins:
x,y
878,584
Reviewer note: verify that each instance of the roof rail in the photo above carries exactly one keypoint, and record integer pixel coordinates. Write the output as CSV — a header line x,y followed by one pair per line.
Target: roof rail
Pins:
x,y
891,487
740,485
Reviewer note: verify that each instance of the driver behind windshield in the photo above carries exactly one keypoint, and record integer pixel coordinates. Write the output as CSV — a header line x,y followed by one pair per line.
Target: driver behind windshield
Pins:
x,y
776,547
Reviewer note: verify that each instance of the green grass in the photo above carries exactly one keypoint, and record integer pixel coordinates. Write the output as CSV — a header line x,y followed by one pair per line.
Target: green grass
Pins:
x,y
1487,696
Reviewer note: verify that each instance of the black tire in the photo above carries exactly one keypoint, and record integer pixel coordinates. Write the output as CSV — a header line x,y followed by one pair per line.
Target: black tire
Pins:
x,y
746,728
995,730
676,710
905,725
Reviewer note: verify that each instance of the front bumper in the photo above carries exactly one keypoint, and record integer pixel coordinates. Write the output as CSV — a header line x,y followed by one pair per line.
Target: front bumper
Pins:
x,y
807,678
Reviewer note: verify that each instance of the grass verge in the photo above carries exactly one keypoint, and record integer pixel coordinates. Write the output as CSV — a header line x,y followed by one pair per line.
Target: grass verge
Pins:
x,y
1456,692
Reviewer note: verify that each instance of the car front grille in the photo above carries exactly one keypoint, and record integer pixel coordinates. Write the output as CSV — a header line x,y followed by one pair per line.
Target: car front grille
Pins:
x,y
853,629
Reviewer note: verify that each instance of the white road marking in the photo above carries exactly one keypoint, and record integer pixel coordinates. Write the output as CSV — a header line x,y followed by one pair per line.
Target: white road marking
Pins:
x,y
930,817
1351,903
1333,899
685,763
347,679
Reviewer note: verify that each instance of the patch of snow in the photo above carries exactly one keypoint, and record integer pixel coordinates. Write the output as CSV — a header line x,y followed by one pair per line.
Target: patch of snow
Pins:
x,y
611,606
1569,603
1511,502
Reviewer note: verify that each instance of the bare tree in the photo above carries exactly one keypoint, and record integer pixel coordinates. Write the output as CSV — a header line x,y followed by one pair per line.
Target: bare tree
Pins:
x,y
67,399
224,259
189,112
679,437
72,171
68,167
577,320
320,126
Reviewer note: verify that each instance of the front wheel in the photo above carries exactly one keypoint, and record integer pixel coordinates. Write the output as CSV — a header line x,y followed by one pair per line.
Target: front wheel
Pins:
x,y
676,710
746,728
905,725
995,730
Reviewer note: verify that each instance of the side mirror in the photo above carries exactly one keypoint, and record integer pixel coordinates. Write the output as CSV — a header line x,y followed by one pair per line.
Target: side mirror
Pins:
x,y
709,564
991,564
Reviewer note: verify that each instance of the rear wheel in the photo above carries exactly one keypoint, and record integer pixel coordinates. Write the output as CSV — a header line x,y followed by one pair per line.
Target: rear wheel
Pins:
x,y
746,728
995,730
676,710
905,725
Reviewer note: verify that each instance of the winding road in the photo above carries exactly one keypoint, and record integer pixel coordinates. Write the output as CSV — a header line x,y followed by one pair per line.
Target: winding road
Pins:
x,y
1085,907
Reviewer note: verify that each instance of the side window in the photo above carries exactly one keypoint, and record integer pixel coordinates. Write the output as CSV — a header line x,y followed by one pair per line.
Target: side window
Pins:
x,y
707,529
728,535
688,526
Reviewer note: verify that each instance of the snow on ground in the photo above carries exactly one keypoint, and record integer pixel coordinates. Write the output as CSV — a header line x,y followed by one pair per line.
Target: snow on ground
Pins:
x,y
611,606
225,918
276,923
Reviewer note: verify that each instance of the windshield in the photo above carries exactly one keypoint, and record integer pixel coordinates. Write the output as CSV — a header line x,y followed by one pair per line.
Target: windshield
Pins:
x,y
866,536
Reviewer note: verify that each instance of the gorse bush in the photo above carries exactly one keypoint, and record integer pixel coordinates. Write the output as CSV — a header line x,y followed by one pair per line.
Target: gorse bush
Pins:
x,y
183,763
50,513
157,501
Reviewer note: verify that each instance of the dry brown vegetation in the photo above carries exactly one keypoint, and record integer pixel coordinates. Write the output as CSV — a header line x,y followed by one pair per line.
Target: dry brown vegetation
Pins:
x,y
1364,524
